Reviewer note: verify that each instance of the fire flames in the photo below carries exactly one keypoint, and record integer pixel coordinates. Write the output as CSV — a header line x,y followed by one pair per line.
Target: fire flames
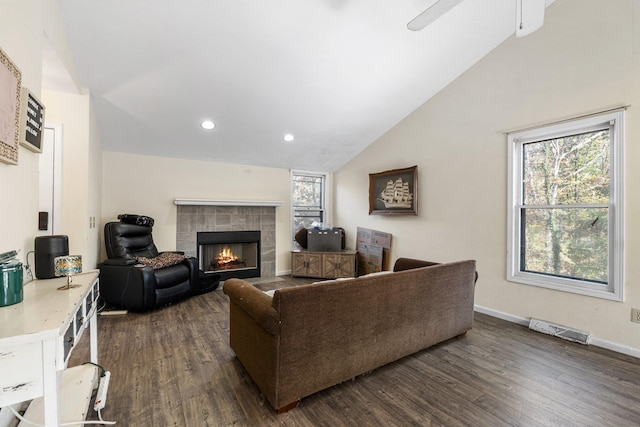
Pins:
x,y
225,257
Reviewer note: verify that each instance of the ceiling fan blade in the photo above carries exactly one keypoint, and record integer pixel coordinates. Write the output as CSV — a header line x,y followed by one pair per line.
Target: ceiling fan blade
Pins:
x,y
434,12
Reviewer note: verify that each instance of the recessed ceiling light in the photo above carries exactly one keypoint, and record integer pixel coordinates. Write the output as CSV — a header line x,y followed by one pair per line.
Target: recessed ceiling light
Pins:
x,y
208,124
288,137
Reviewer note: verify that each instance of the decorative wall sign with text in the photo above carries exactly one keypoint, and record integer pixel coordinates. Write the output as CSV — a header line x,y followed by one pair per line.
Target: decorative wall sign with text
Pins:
x,y
10,80
31,121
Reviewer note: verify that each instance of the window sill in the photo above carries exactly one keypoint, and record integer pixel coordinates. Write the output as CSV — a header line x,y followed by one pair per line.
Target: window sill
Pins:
x,y
564,285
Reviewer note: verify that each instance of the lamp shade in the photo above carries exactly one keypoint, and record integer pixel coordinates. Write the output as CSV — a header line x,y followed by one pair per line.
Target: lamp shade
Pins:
x,y
67,265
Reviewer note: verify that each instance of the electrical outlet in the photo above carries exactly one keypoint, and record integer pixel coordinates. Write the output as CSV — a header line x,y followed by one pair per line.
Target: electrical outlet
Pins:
x,y
635,315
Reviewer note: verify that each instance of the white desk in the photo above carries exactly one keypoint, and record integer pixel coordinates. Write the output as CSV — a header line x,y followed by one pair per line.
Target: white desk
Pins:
x,y
37,336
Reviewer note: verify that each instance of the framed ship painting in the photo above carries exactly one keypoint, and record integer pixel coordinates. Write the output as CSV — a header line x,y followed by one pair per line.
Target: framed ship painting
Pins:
x,y
394,192
10,79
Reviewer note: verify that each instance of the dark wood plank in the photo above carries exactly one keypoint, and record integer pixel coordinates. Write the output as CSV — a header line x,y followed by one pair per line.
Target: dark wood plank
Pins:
x,y
174,367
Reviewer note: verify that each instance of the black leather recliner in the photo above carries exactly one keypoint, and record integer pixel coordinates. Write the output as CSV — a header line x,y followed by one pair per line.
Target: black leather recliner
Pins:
x,y
126,284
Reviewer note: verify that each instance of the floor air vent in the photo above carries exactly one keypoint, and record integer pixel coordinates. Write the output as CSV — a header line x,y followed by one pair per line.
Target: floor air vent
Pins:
x,y
559,331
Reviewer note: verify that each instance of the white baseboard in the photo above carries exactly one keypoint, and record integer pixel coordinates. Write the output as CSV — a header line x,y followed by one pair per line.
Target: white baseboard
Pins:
x,y
283,273
619,348
501,315
595,341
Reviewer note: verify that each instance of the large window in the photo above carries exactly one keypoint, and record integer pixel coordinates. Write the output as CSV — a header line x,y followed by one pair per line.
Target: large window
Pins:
x,y
307,199
565,206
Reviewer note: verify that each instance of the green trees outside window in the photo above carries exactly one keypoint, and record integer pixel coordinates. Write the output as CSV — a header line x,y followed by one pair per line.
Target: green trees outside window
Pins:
x,y
565,209
307,199
565,219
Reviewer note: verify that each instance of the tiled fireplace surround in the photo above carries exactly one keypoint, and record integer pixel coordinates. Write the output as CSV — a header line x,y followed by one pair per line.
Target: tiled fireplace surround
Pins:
x,y
192,219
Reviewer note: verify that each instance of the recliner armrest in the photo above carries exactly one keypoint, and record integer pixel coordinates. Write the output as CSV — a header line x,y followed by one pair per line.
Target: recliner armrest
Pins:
x,y
129,287
120,261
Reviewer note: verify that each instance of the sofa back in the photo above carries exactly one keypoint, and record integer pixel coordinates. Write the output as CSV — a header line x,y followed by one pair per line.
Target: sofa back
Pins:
x,y
333,331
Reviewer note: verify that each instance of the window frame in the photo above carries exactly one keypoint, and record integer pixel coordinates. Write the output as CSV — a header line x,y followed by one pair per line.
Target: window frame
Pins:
x,y
325,198
516,141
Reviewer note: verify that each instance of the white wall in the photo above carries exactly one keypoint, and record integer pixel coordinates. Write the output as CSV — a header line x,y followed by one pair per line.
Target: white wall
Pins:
x,y
94,198
81,171
24,25
568,68
19,211
148,185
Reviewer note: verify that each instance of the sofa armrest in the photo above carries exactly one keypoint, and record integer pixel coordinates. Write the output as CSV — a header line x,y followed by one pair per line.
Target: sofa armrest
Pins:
x,y
408,264
255,303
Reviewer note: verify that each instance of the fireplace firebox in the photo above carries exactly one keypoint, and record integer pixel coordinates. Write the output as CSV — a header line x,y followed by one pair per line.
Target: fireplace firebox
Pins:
x,y
229,253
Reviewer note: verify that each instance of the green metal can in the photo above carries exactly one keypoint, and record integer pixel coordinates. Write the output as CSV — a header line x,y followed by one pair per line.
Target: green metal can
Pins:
x,y
10,283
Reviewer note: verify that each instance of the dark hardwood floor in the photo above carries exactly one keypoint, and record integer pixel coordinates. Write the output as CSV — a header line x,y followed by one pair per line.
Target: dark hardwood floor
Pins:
x,y
174,367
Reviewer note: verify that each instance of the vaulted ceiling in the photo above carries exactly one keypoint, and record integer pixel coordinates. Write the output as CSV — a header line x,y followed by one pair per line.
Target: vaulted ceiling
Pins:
x,y
336,74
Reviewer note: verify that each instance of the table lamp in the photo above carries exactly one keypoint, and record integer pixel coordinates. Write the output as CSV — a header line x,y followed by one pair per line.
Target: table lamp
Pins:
x,y
67,265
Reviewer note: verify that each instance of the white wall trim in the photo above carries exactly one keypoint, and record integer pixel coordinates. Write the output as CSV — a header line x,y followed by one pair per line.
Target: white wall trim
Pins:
x,y
214,202
619,348
597,342
51,157
500,315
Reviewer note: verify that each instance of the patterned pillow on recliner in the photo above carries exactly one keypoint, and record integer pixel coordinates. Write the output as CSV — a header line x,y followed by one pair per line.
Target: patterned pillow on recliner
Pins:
x,y
147,221
165,259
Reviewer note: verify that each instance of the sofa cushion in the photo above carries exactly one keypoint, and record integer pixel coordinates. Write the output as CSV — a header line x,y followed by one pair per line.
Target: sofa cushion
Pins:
x,y
377,273
172,277
409,264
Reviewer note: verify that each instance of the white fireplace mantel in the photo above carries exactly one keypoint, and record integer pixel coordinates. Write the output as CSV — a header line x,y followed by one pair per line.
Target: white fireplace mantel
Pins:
x,y
213,202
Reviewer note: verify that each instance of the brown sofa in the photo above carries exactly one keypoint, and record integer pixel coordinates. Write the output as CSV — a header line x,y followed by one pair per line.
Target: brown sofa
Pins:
x,y
311,337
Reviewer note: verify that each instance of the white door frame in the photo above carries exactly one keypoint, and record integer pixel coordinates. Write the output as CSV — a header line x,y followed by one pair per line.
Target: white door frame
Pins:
x,y
50,177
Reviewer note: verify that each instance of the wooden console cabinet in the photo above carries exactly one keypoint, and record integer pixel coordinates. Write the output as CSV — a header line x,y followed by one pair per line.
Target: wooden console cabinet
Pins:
x,y
324,265
37,336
